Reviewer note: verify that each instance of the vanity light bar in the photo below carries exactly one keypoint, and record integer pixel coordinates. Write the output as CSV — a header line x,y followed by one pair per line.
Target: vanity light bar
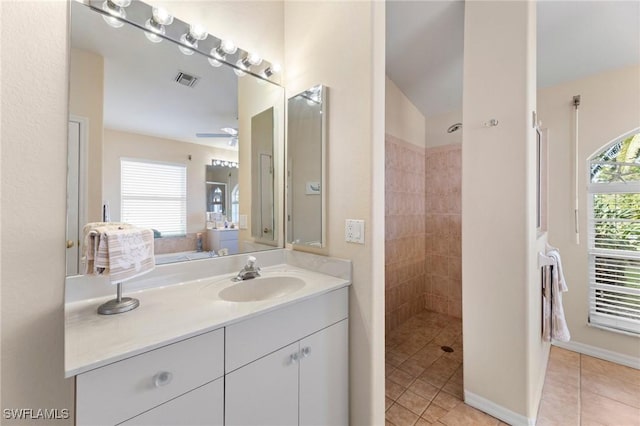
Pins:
x,y
225,163
158,24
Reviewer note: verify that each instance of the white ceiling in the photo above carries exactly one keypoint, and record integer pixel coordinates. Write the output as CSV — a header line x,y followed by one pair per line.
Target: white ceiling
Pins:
x,y
140,94
575,39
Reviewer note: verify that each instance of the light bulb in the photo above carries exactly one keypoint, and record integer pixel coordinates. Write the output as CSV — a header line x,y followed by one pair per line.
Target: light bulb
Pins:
x,y
214,62
153,30
228,47
254,59
275,68
186,50
161,16
115,11
241,67
198,32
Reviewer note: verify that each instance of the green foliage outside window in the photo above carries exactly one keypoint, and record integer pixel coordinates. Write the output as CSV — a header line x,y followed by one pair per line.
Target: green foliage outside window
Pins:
x,y
617,226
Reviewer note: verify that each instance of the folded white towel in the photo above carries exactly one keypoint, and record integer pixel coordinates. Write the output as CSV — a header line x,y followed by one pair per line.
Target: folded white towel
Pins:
x,y
559,329
118,250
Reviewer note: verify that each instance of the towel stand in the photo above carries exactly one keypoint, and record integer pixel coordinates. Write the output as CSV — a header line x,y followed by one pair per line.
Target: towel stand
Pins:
x,y
119,304
546,265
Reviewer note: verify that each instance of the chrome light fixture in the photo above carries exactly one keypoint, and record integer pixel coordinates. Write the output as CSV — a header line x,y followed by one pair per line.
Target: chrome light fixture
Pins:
x,y
115,10
247,62
154,21
225,163
226,47
191,38
155,25
271,70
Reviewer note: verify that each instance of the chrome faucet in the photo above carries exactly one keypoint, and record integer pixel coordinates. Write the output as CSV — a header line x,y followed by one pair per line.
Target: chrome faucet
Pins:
x,y
249,271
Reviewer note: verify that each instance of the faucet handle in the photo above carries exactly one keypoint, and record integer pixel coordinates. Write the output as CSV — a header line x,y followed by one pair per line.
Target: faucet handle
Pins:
x,y
251,260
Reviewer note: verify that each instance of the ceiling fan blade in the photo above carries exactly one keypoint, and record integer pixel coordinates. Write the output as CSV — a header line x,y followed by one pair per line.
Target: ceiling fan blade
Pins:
x,y
213,135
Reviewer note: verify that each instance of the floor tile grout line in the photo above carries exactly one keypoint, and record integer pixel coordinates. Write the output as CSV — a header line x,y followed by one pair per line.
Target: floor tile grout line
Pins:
x,y
580,390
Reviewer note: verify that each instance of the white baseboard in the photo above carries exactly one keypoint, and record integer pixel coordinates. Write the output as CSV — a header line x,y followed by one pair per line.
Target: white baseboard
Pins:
x,y
497,411
596,352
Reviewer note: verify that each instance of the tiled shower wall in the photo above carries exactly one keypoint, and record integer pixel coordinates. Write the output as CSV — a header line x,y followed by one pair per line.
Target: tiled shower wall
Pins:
x,y
405,221
444,230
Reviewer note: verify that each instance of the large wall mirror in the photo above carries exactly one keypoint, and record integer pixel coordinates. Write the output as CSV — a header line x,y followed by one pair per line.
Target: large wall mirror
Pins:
x,y
161,137
306,180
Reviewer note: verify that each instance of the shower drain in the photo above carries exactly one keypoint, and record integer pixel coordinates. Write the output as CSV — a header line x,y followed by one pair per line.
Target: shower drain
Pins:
x,y
446,348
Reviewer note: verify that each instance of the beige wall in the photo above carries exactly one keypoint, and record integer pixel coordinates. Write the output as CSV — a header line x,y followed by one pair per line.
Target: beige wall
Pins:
x,y
34,140
437,126
610,107
86,70
402,119
315,52
504,356
119,144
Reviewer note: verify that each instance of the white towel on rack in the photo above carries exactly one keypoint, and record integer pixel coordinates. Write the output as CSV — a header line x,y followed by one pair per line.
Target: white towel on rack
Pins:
x,y
559,329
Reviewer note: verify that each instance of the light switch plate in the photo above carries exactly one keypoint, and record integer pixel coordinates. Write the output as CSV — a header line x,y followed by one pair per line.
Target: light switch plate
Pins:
x,y
354,231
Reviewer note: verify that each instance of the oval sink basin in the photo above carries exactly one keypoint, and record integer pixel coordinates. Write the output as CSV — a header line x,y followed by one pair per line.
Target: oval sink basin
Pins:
x,y
262,288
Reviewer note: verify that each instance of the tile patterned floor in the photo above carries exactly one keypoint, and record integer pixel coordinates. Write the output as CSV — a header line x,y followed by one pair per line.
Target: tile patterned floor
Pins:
x,y
582,390
424,383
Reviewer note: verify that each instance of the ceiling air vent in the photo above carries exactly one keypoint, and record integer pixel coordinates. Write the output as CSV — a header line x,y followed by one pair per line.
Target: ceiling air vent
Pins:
x,y
186,79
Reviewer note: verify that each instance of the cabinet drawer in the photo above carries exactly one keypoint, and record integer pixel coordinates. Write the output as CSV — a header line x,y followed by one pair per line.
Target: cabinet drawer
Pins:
x,y
249,340
229,236
119,391
200,407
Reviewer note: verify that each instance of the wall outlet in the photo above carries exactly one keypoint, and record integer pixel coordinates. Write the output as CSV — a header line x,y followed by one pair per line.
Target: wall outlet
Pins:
x,y
354,231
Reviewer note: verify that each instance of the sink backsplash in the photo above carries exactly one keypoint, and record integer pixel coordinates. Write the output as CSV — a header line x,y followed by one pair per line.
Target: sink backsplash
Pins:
x,y
83,287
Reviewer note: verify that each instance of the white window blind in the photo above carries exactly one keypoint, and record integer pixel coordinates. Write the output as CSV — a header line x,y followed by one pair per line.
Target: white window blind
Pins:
x,y
154,195
614,237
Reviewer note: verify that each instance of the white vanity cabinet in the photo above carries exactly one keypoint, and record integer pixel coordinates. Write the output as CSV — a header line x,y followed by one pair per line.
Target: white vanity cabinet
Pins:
x,y
290,366
287,366
158,384
223,239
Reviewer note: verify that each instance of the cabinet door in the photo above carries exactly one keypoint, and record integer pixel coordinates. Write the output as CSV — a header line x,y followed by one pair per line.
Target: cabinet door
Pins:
x,y
264,392
324,377
200,407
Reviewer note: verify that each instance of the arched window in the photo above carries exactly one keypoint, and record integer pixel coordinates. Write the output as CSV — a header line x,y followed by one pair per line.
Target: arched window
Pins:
x,y
614,235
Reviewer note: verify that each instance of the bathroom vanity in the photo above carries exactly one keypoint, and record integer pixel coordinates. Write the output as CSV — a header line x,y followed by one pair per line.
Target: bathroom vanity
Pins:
x,y
225,238
211,351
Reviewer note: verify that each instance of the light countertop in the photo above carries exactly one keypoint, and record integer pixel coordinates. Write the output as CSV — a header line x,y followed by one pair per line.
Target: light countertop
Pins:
x,y
169,314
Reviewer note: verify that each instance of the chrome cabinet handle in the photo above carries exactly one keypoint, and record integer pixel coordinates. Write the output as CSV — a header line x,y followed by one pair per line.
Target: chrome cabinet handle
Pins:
x,y
306,351
162,378
294,358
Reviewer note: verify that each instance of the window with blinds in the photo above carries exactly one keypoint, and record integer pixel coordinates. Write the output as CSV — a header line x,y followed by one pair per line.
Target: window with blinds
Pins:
x,y
154,195
614,236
